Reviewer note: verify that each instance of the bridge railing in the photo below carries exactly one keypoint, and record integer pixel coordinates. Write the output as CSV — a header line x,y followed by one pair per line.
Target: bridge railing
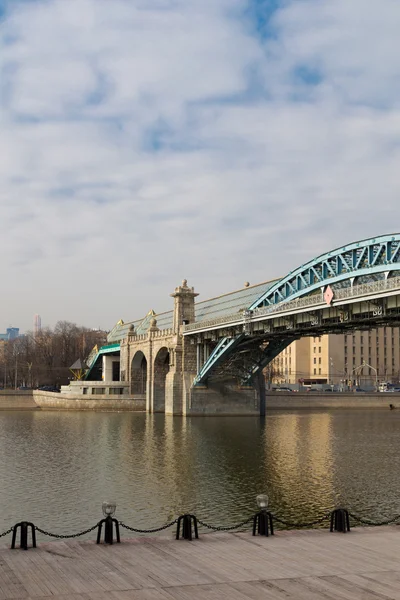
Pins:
x,y
159,333
351,292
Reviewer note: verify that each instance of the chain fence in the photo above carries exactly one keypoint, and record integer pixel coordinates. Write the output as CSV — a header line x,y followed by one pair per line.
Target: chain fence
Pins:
x,y
373,523
64,537
292,524
6,532
228,528
302,525
155,530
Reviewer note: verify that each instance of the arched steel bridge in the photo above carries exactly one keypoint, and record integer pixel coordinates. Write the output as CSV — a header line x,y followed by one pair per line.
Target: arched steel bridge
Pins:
x,y
353,287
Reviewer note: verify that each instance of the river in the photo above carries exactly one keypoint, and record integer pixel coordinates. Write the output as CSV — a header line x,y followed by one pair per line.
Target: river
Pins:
x,y
56,468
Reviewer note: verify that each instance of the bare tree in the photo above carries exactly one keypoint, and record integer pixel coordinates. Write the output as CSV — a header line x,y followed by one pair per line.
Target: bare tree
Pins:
x,y
44,358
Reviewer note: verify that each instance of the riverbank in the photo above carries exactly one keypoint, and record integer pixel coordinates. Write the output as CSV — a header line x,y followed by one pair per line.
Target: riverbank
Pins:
x,y
328,400
36,400
296,565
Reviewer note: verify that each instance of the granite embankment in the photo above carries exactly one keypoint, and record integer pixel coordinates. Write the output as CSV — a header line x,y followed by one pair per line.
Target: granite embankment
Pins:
x,y
328,400
36,400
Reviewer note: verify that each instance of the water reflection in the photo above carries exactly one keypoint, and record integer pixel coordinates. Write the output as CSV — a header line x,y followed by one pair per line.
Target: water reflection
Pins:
x,y
57,468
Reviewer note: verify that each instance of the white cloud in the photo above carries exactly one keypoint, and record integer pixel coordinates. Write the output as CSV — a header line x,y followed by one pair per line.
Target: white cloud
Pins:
x,y
144,142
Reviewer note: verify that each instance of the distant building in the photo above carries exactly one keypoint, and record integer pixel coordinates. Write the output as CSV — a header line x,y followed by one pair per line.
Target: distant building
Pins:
x,y
358,357
37,324
12,333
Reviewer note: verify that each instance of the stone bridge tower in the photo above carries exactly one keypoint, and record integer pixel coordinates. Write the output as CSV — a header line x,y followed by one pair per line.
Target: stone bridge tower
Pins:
x,y
182,354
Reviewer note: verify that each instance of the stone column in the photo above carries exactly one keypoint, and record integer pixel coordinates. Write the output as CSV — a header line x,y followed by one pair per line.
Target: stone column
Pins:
x,y
150,367
183,368
184,310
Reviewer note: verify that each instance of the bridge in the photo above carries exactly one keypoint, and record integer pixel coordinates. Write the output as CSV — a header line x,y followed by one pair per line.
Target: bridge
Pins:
x,y
207,357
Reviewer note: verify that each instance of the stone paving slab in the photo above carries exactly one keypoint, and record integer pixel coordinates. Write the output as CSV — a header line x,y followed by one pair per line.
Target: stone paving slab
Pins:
x,y
299,565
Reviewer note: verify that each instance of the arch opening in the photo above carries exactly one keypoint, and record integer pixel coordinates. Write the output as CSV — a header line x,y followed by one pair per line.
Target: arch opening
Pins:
x,y
161,369
139,374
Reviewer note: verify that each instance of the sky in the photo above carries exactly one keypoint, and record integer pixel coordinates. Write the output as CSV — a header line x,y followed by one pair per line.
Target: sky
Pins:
x,y
221,141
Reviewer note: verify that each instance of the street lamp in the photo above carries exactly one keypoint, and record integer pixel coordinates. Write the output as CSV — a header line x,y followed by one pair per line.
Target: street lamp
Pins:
x,y
109,508
29,364
360,367
331,370
16,369
262,501
262,521
109,522
376,373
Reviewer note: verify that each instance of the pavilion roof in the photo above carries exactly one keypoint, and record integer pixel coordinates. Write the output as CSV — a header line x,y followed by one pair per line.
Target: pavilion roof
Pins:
x,y
213,308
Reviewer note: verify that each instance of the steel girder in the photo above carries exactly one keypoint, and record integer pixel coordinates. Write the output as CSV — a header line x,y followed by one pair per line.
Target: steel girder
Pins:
x,y
241,357
275,347
225,346
363,258
248,361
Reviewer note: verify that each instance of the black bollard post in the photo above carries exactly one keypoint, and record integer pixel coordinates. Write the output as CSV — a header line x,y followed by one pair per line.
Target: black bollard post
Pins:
x,y
109,523
186,522
108,530
340,520
24,525
263,523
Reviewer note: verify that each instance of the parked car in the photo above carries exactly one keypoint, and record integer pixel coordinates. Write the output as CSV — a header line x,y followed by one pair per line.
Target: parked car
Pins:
x,y
282,389
49,388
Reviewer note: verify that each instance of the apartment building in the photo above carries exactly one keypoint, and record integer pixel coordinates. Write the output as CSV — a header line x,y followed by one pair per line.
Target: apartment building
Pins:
x,y
355,358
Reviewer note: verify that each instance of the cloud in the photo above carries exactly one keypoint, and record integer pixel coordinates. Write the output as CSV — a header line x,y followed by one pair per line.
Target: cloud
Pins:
x,y
221,141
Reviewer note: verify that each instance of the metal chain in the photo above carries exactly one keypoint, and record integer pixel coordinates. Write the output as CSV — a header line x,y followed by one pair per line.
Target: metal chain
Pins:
x,y
229,528
214,527
148,530
6,532
290,524
374,523
63,537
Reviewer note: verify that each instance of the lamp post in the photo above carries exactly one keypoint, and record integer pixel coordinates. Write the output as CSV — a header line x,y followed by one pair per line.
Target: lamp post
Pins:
x,y
16,369
262,522
331,370
376,373
358,369
108,522
29,364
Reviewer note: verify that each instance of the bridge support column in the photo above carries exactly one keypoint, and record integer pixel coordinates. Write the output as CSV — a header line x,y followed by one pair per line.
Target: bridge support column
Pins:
x,y
261,393
220,399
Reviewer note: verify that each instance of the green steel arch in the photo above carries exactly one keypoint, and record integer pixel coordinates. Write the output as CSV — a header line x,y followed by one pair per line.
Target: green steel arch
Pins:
x,y
373,257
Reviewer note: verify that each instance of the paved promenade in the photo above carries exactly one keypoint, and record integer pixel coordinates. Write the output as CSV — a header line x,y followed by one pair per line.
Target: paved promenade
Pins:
x,y
299,565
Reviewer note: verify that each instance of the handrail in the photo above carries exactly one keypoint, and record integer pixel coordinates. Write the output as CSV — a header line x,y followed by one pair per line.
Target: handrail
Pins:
x,y
355,291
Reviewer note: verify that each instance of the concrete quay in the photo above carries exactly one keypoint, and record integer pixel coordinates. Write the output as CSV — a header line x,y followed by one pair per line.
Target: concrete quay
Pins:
x,y
292,565
36,400
328,400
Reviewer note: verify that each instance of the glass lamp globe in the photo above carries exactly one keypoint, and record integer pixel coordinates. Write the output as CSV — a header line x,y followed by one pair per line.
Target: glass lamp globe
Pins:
x,y
109,508
262,501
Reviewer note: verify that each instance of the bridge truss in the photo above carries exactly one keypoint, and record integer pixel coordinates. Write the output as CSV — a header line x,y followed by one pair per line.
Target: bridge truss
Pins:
x,y
354,287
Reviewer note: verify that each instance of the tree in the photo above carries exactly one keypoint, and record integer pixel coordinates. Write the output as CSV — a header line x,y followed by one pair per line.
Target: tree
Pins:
x,y
44,358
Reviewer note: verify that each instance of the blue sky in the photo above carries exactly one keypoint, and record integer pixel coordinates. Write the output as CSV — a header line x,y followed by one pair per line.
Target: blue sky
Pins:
x,y
221,141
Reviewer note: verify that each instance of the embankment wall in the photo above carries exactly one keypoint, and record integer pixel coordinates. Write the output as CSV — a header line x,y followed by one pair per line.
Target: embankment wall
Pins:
x,y
223,401
203,402
309,401
36,400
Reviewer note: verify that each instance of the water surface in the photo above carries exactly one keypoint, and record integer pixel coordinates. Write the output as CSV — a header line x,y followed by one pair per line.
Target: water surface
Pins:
x,y
56,468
